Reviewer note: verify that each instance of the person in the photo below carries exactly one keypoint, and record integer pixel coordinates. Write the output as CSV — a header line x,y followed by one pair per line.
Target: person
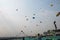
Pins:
x,y
39,36
23,38
55,25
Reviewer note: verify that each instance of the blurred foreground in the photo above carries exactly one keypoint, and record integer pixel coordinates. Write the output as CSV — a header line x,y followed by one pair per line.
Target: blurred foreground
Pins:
x,y
49,35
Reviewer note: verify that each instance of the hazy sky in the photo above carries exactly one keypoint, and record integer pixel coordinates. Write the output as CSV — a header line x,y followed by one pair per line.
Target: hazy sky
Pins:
x,y
17,15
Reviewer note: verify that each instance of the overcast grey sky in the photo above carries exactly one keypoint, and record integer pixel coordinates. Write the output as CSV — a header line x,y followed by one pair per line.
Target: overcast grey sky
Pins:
x,y
31,16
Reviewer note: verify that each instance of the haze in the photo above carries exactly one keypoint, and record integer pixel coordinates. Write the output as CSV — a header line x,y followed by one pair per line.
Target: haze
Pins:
x,y
30,16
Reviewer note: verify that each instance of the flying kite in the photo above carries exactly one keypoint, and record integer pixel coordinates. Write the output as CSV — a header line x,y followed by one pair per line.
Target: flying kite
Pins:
x,y
57,14
51,5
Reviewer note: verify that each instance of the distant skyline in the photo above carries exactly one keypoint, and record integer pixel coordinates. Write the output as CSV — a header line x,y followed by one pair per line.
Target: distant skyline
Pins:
x,y
30,16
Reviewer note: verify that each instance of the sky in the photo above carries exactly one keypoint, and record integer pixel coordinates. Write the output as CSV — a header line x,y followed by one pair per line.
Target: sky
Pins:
x,y
28,17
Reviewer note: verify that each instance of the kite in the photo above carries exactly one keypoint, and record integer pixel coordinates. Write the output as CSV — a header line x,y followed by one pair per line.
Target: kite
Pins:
x,y
51,5
57,14
33,17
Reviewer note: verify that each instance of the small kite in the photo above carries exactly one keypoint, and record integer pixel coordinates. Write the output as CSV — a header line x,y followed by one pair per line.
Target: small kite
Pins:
x,y
25,16
21,30
34,14
27,19
33,17
40,21
16,9
51,5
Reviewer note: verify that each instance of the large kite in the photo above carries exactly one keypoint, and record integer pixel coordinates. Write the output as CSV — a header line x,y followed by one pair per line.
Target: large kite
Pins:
x,y
58,14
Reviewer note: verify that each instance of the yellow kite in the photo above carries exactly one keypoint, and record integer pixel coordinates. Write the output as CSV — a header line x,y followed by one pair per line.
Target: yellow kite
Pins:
x,y
58,14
